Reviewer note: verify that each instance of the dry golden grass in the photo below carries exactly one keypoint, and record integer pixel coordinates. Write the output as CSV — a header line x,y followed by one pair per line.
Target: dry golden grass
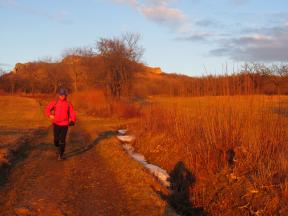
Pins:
x,y
235,146
18,119
95,103
20,113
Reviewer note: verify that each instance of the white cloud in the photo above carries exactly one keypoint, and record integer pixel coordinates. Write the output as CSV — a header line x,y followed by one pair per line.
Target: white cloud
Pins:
x,y
163,15
160,12
133,3
161,2
196,37
266,45
252,40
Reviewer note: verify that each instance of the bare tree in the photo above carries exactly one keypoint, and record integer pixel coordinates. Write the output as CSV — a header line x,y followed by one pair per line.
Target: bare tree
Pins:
x,y
12,80
279,75
120,56
76,59
79,51
57,77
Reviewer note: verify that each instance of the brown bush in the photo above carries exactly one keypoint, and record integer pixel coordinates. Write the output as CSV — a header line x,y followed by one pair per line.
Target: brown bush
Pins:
x,y
94,102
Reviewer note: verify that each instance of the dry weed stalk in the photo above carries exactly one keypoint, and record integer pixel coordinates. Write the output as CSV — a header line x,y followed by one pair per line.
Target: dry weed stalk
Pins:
x,y
233,145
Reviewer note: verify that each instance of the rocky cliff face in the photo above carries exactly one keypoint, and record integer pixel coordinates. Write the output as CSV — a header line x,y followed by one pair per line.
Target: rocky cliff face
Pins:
x,y
155,70
72,60
19,67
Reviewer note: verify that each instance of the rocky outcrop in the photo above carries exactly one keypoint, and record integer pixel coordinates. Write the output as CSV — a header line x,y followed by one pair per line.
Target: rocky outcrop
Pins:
x,y
19,67
154,70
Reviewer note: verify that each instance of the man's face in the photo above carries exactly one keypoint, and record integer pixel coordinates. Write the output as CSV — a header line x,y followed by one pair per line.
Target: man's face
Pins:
x,y
62,97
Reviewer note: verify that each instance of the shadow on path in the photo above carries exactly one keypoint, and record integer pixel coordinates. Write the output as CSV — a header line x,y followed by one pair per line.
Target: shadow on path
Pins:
x,y
83,149
20,152
181,179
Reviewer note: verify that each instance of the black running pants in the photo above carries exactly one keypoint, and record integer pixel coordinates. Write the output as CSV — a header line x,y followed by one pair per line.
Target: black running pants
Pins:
x,y
60,133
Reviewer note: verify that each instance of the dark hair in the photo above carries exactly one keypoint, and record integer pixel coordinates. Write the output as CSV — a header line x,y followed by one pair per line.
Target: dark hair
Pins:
x,y
62,91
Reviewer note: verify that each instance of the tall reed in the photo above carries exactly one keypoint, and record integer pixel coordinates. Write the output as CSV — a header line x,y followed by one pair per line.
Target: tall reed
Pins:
x,y
236,147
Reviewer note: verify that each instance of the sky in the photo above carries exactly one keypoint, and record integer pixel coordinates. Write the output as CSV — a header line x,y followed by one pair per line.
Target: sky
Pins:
x,y
192,37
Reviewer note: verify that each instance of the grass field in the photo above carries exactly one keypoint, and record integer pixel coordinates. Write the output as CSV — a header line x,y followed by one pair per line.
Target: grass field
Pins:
x,y
18,118
235,147
20,113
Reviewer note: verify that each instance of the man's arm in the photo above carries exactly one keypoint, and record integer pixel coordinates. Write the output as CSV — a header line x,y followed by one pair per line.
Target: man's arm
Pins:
x,y
48,109
72,114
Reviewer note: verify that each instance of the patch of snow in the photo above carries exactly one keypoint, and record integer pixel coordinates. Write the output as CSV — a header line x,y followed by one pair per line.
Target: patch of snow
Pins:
x,y
126,138
122,131
158,172
140,158
136,156
128,148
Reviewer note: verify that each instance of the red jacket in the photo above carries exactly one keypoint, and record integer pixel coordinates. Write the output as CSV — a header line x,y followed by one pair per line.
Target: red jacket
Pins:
x,y
63,112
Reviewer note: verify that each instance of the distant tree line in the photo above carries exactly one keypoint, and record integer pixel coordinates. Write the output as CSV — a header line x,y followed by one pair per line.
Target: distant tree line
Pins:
x,y
110,67
252,79
114,66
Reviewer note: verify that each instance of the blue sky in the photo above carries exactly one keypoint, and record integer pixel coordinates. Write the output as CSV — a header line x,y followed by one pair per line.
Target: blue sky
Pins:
x,y
192,37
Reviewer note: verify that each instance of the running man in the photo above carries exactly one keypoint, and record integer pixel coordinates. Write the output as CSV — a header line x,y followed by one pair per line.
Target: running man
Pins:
x,y
62,115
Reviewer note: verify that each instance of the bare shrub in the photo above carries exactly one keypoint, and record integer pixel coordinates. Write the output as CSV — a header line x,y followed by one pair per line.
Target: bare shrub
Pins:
x,y
95,103
120,56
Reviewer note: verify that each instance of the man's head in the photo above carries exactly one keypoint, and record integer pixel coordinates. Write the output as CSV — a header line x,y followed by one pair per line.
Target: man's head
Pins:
x,y
62,93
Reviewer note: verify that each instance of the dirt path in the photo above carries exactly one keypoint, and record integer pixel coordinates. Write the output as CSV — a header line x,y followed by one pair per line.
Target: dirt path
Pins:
x,y
97,178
